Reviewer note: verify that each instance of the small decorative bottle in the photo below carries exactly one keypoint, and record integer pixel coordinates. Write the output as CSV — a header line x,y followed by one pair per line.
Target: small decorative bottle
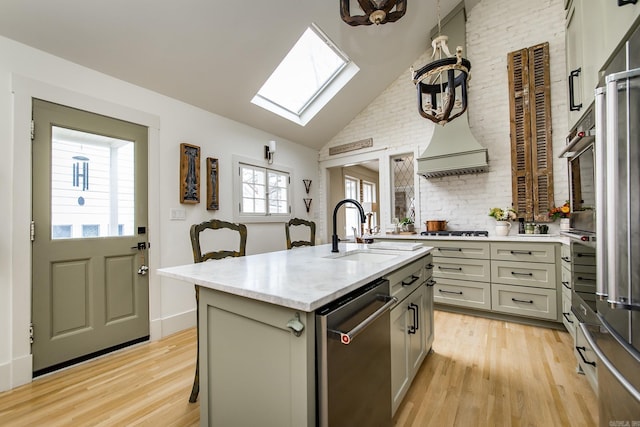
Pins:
x,y
521,226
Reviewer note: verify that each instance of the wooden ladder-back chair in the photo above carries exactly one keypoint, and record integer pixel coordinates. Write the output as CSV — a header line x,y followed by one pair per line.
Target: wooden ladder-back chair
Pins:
x,y
300,222
199,256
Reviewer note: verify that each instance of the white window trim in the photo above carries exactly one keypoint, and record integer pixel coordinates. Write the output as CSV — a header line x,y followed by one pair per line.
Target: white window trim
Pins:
x,y
240,217
325,93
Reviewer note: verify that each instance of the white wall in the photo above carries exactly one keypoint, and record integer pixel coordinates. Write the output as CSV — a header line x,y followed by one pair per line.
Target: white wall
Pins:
x,y
31,72
494,28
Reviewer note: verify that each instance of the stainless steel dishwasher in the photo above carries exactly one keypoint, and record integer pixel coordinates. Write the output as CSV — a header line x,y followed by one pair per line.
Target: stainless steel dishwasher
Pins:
x,y
354,358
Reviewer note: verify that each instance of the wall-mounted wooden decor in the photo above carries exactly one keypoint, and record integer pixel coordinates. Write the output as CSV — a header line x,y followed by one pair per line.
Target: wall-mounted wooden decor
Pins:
x,y
189,173
212,184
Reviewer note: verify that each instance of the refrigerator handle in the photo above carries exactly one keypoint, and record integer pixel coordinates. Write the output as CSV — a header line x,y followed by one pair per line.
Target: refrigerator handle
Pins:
x,y
601,182
612,184
607,363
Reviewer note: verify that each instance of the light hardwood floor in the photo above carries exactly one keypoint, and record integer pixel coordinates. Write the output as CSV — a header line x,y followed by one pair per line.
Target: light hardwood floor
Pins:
x,y
482,373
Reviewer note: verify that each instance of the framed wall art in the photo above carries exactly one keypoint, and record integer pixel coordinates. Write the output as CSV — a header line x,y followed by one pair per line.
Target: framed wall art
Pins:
x,y
189,173
212,184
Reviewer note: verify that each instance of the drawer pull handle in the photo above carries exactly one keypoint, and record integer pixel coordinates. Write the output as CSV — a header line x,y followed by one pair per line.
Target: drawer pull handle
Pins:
x,y
566,285
588,279
450,292
566,258
572,105
450,268
586,255
515,273
410,282
429,266
450,249
521,300
431,282
521,253
566,316
584,359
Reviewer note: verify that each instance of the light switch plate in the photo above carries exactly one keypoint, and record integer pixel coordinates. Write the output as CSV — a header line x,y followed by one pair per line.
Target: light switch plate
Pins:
x,y
177,214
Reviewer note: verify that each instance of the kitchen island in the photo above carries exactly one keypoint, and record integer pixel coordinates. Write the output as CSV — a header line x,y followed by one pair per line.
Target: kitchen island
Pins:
x,y
257,331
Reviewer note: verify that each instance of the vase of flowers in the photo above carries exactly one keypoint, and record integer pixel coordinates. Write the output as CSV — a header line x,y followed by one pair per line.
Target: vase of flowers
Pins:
x,y
502,217
563,213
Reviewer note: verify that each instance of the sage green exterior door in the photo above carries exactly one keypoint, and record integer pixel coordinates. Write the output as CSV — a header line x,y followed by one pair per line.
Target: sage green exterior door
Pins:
x,y
90,290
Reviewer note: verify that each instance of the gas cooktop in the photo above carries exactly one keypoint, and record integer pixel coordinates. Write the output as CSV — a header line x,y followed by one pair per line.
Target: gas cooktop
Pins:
x,y
465,233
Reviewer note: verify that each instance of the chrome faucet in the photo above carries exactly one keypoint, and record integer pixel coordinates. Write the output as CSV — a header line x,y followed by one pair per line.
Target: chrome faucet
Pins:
x,y
334,236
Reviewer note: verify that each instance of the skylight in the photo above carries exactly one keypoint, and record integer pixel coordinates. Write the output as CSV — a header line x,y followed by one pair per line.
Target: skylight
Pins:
x,y
310,75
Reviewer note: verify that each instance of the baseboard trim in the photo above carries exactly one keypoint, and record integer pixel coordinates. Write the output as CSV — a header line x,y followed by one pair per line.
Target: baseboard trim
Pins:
x,y
500,316
178,322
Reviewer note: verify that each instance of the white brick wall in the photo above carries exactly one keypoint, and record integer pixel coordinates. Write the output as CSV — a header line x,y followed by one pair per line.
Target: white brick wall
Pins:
x,y
494,28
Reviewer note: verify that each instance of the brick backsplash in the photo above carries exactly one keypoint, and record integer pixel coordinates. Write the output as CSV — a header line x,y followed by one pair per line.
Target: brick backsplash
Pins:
x,y
494,28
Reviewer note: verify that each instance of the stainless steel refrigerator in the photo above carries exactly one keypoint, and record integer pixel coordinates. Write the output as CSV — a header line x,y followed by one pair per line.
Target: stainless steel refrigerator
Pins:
x,y
617,340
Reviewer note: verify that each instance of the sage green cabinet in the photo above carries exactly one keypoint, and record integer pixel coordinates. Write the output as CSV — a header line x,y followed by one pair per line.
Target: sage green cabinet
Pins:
x,y
253,369
593,31
411,331
462,271
616,21
510,277
568,318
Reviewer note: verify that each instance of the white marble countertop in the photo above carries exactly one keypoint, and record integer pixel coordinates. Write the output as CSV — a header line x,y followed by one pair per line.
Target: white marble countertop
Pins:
x,y
303,278
548,238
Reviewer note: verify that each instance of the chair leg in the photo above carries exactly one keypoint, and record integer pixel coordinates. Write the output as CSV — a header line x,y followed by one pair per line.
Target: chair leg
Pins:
x,y
195,390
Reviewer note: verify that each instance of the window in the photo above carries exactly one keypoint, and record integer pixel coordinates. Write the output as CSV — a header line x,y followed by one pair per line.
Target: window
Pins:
x,y
92,185
369,201
90,230
351,191
402,182
308,77
263,193
61,231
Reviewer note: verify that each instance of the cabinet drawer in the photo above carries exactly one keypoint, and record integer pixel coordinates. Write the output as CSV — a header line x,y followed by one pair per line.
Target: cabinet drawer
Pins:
x,y
583,255
462,293
568,319
524,301
586,357
565,256
406,279
461,269
460,249
524,274
566,282
525,252
583,278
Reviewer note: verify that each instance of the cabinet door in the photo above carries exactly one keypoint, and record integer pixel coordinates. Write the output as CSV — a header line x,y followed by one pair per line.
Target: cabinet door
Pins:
x,y
411,338
399,360
573,42
416,313
427,318
253,360
617,22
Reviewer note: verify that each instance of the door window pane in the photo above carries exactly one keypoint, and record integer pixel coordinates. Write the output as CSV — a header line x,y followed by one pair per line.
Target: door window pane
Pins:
x,y
92,185
403,189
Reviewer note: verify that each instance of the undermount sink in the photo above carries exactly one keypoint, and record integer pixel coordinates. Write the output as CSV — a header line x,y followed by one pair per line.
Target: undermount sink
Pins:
x,y
364,256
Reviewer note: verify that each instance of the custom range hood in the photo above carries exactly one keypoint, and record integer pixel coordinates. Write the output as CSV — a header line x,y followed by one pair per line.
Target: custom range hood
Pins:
x,y
453,151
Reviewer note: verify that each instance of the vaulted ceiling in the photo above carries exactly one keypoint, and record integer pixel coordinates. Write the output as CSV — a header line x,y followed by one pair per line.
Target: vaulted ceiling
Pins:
x,y
216,54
